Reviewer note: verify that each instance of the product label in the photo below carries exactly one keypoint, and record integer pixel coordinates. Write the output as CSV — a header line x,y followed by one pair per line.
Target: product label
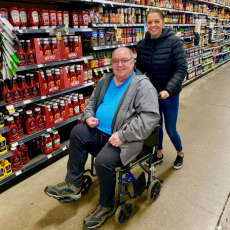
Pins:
x,y
16,95
54,51
67,50
15,16
70,112
75,19
4,14
57,143
35,16
58,82
30,58
40,122
23,17
20,128
45,16
63,113
74,78
51,84
22,59
32,126
8,169
14,133
45,85
23,156
53,18
25,93
82,107
49,146
77,109
8,98
16,162
60,19
57,115
48,52
2,146
1,172
34,91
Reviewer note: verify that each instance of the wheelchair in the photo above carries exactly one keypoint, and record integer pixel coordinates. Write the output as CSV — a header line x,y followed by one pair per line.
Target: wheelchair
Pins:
x,y
125,209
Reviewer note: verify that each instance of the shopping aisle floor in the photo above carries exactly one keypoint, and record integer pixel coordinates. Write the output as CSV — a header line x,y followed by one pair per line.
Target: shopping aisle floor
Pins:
x,y
191,198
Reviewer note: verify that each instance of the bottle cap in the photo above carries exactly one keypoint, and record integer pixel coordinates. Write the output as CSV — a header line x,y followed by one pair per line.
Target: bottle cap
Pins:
x,y
55,104
55,107
6,117
22,76
27,40
10,119
55,132
75,98
47,135
20,110
28,112
16,114
48,71
13,148
37,109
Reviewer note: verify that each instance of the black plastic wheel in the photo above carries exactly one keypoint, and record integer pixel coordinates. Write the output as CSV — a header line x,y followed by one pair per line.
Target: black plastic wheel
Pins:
x,y
120,217
86,184
154,190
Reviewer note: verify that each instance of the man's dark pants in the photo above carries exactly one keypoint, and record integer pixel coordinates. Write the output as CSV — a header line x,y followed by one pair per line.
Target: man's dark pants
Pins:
x,y
84,140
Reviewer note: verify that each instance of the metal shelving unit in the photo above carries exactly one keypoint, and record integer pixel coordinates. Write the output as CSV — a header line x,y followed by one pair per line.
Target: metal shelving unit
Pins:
x,y
207,63
221,53
6,155
113,46
211,55
193,57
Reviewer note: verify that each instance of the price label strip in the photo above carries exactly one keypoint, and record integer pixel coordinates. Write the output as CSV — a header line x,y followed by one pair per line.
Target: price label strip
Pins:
x,y
18,172
85,61
95,71
107,68
11,109
115,27
102,71
49,156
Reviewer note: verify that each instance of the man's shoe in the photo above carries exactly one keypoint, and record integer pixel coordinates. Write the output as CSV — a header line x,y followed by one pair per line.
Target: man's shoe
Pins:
x,y
98,216
155,160
63,190
178,163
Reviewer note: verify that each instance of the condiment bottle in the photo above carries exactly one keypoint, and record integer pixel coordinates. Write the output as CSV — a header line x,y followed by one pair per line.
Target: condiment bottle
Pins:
x,y
75,19
73,76
6,94
25,89
40,47
2,170
7,167
18,122
57,77
39,119
42,143
62,109
16,92
75,44
44,19
46,47
3,147
2,122
33,87
70,108
33,19
23,18
24,153
4,13
44,81
56,112
29,54
66,44
48,144
82,103
76,107
54,46
65,17
12,134
56,140
15,159
14,17
30,123
21,55
50,80
59,18
53,18
67,72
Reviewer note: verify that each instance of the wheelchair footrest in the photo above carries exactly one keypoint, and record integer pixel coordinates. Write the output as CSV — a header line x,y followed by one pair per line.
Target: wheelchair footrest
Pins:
x,y
140,184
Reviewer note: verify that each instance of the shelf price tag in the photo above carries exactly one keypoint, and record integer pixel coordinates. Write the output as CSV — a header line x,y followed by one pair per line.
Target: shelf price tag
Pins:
x,y
102,71
18,172
107,68
49,129
49,156
64,148
43,97
111,5
10,108
115,27
14,144
40,65
95,71
85,61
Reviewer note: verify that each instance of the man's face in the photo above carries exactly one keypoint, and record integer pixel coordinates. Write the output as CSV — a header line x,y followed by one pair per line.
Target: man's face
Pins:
x,y
123,64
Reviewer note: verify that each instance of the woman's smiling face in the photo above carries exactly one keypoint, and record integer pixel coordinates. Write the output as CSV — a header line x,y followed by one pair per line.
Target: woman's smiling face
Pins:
x,y
155,25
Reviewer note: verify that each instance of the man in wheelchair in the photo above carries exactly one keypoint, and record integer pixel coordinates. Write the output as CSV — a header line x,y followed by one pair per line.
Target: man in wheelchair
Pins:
x,y
121,113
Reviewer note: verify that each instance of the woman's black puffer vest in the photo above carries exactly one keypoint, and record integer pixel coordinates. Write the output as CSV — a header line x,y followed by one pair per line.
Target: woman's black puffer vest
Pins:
x,y
163,60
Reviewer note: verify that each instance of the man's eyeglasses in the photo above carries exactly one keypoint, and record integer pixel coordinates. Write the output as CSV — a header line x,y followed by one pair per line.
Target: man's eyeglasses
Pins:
x,y
124,61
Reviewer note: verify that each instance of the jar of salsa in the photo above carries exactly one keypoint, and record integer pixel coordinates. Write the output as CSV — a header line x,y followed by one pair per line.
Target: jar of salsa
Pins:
x,y
56,140
30,123
39,119
82,103
12,134
46,47
24,153
50,80
57,77
56,112
54,46
48,144
62,109
15,159
70,108
25,89
76,107
73,76
18,123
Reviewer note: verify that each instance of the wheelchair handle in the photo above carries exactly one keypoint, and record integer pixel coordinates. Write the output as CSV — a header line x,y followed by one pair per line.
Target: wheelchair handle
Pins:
x,y
159,95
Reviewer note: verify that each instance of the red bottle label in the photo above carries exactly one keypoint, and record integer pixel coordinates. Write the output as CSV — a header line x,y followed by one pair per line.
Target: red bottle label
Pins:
x,y
57,115
30,58
74,78
34,91
47,52
25,93
23,156
40,123
32,126
45,85
51,84
8,98
82,107
67,50
20,128
58,82
22,59
16,162
16,95
63,113
14,133
70,112
54,51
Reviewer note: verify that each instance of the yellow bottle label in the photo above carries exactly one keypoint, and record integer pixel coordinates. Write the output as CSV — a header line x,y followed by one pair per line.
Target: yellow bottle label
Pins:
x,y
2,172
7,167
3,147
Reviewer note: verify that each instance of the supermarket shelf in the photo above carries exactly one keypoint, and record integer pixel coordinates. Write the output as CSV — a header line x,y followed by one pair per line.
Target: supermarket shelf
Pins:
x,y
213,41
215,47
221,53
214,4
186,37
194,67
35,99
193,47
212,17
211,55
113,46
26,137
227,34
102,68
207,63
220,64
226,25
51,64
6,155
220,19
193,57
4,129
117,25
34,162
74,30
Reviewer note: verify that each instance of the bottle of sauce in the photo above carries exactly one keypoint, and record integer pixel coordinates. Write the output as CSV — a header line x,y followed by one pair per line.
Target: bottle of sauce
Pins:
x,y
67,72
75,44
73,76
53,18
24,153
30,123
40,47
15,159
50,80
14,17
4,13
56,140
65,17
6,94
2,120
46,47
18,123
54,46
7,167
33,19
42,143
70,108
78,72
44,19
3,147
12,134
48,144
21,55
75,19
44,81
25,89
56,112
2,170
76,107
29,54
57,77
16,92
59,18
39,119
33,87
62,109
82,103
71,39
66,44
50,112
23,18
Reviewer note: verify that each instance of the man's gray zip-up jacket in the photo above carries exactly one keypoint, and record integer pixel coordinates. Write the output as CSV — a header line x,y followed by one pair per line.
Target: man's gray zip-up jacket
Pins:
x,y
136,115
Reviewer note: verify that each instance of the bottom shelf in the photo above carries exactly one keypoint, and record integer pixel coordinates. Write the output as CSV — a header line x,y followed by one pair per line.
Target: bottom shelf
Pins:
x,y
34,162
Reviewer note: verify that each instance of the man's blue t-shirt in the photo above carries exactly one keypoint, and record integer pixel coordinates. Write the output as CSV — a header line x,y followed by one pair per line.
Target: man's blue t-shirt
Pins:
x,y
106,110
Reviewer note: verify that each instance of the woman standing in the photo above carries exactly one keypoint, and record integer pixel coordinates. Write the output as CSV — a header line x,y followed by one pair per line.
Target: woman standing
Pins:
x,y
161,56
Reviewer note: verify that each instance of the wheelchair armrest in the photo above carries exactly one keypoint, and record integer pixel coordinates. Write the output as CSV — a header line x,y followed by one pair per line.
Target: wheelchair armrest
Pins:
x,y
152,139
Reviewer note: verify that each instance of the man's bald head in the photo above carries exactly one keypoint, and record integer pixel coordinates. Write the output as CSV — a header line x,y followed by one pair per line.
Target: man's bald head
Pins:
x,y
124,50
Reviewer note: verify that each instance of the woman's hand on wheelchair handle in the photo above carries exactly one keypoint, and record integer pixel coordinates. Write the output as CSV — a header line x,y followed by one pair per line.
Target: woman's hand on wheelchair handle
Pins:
x,y
164,94
115,140
92,122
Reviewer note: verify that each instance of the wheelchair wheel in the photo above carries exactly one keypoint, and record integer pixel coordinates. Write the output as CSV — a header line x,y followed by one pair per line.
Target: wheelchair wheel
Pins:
x,y
154,190
120,217
86,184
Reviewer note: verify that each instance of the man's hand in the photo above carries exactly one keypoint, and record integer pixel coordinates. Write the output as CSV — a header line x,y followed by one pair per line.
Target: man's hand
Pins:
x,y
92,122
164,94
115,140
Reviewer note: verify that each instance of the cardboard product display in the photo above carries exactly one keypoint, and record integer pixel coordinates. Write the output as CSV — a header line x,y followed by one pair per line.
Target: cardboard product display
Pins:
x,y
43,59
65,84
71,55
42,90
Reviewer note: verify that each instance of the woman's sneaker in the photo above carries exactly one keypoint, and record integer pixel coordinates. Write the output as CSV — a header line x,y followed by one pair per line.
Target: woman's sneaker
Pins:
x,y
98,217
178,163
155,160
63,190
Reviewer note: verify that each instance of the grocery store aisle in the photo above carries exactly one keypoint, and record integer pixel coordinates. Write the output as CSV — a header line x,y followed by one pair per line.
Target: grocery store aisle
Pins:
x,y
191,198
